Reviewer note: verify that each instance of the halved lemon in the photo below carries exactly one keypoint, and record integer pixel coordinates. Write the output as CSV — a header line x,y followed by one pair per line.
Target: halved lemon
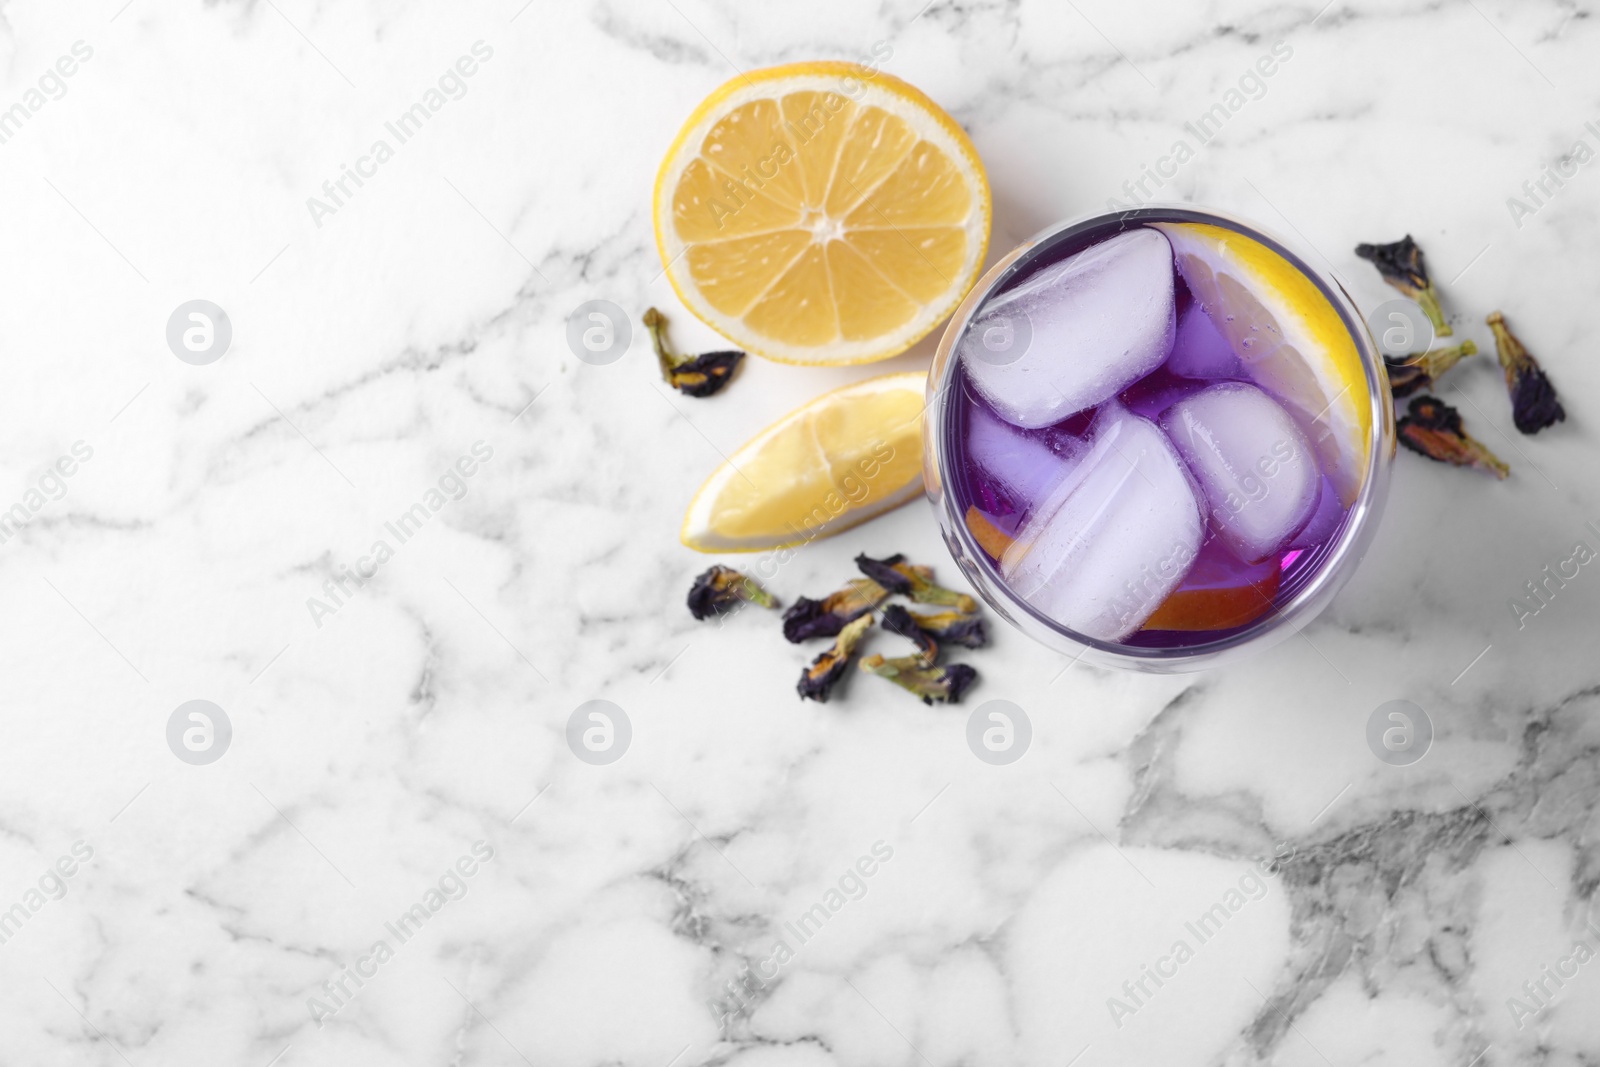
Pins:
x,y
1290,338
821,213
846,456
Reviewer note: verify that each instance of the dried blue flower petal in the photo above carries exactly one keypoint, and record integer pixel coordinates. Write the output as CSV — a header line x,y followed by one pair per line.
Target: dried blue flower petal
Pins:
x,y
1433,428
698,376
897,620
953,627
721,589
1534,404
817,681
705,374
943,685
1413,374
1402,266
808,618
898,576
932,629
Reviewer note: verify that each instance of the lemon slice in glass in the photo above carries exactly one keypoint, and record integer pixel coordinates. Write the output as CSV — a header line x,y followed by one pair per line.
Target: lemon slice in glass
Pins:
x,y
1290,337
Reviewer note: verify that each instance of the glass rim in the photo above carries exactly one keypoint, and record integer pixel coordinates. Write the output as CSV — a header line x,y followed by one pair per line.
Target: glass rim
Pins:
x,y
1361,517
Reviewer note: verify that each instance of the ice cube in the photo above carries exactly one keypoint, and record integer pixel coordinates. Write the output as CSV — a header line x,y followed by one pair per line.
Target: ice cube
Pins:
x,y
1255,466
1325,519
1199,350
1115,537
1077,332
1023,466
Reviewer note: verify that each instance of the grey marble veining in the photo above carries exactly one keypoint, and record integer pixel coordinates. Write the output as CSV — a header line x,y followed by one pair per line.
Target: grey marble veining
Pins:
x,y
400,722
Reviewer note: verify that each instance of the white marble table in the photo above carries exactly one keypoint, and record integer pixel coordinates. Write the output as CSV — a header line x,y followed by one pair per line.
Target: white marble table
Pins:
x,y
398,771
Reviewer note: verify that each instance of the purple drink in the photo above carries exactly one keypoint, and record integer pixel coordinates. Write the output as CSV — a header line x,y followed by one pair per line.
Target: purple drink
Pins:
x,y
1148,466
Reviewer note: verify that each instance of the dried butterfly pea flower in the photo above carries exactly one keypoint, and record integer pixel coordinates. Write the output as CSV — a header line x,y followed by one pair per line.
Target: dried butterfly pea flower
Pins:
x,y
1433,428
818,680
721,589
808,618
946,627
701,375
944,685
956,628
1534,404
1413,374
1403,267
897,620
898,576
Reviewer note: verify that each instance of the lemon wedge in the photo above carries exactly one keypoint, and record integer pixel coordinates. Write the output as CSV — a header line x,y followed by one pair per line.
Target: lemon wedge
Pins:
x,y
841,459
821,213
1290,337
